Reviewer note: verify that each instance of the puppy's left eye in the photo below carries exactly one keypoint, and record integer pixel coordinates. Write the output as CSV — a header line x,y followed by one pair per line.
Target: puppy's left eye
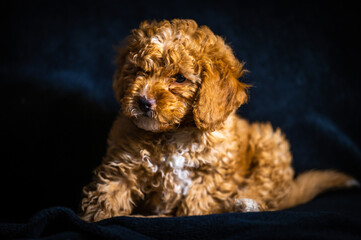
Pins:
x,y
179,78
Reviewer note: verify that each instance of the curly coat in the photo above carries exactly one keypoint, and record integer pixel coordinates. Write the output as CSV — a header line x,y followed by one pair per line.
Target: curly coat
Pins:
x,y
190,154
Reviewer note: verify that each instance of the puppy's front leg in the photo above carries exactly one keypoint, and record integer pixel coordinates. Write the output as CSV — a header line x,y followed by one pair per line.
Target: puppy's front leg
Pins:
x,y
109,195
198,201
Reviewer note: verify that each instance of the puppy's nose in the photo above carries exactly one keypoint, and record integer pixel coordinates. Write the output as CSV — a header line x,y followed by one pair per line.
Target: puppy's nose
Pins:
x,y
144,104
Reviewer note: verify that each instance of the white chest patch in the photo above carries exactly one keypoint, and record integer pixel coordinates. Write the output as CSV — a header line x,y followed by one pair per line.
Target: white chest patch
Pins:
x,y
177,162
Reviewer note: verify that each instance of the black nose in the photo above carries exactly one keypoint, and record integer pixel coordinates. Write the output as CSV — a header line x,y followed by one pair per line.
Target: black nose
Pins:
x,y
144,104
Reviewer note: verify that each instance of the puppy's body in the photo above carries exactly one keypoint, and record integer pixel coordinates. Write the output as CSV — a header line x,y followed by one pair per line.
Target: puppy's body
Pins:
x,y
185,152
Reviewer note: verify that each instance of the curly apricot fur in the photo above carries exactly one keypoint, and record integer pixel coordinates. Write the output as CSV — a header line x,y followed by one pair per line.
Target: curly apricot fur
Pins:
x,y
191,154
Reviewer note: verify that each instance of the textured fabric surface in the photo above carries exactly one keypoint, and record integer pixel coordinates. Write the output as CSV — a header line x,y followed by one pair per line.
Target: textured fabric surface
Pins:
x,y
62,223
57,107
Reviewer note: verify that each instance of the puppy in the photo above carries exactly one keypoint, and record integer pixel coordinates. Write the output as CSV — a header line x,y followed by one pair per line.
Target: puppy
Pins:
x,y
177,148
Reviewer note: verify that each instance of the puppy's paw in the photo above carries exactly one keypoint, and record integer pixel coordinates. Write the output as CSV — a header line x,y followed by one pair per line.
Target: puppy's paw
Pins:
x,y
247,205
353,183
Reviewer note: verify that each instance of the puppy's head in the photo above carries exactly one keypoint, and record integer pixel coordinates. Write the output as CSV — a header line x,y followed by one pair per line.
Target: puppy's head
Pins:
x,y
174,72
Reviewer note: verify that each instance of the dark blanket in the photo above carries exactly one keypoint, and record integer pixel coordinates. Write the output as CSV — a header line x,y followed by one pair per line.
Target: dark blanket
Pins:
x,y
57,107
62,223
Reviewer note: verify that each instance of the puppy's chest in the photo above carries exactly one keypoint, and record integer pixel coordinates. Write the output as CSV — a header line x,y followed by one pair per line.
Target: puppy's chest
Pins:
x,y
172,165
168,171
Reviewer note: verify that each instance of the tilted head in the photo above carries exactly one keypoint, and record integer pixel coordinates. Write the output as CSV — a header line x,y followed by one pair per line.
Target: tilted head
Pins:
x,y
173,73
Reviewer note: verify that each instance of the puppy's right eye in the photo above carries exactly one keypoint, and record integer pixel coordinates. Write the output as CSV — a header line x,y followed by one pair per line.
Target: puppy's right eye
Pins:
x,y
179,78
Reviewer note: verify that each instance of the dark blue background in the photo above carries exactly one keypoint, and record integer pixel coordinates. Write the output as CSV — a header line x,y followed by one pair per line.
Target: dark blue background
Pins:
x,y
57,104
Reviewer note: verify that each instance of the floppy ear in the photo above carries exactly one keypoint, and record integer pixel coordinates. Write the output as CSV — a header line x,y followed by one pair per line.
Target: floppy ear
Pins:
x,y
120,81
220,93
